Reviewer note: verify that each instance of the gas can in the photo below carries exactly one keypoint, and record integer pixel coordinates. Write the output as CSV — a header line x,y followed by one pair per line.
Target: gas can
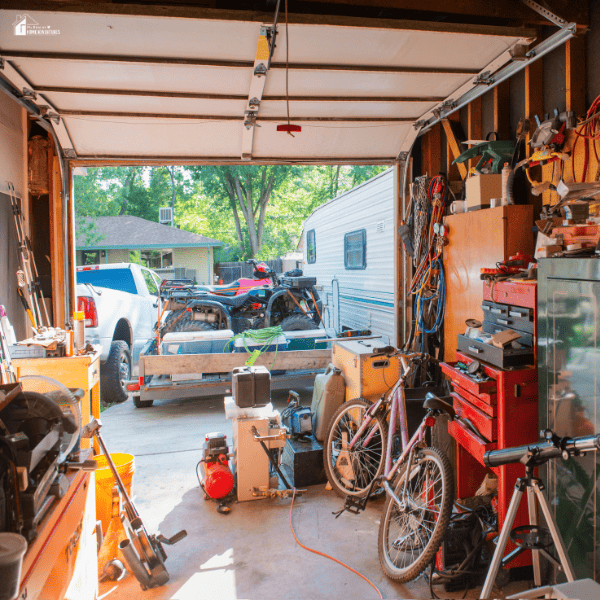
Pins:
x,y
328,395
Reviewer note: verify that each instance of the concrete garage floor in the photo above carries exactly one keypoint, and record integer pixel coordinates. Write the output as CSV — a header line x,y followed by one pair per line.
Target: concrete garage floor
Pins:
x,y
249,553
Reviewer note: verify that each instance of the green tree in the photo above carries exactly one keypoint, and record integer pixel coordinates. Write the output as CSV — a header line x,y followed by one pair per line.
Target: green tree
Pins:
x,y
246,191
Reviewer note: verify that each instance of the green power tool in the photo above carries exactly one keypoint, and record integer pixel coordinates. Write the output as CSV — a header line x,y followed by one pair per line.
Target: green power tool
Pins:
x,y
493,155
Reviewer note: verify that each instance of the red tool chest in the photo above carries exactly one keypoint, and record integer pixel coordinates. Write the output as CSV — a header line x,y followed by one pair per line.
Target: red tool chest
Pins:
x,y
504,410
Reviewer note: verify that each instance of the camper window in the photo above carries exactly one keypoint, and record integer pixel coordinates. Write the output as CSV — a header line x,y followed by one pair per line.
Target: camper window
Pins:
x,y
311,247
355,249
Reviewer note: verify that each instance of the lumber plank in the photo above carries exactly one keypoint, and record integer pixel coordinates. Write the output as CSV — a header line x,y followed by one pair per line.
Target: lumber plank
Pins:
x,y
181,364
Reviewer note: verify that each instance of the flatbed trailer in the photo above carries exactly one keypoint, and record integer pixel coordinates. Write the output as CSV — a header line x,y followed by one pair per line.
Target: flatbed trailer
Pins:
x,y
288,368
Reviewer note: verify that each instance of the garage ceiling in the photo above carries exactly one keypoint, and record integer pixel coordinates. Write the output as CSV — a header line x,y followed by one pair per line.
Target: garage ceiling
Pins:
x,y
145,88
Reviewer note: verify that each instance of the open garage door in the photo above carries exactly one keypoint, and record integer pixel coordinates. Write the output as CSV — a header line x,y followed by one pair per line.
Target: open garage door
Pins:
x,y
117,87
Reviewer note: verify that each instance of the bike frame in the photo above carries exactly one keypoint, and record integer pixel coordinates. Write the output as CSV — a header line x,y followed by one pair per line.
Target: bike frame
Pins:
x,y
397,410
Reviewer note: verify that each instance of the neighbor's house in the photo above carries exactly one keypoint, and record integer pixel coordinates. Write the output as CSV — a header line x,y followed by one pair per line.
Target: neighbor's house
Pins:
x,y
171,252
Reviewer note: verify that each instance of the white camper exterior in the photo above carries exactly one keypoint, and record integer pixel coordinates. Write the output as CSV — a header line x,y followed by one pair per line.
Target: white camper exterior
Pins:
x,y
348,245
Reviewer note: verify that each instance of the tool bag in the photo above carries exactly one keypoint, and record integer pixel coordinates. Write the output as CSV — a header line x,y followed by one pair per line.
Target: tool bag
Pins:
x,y
328,395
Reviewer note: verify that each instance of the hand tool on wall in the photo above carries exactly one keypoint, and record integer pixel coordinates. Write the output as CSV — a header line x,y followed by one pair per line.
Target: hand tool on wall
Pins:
x,y
28,269
143,553
493,155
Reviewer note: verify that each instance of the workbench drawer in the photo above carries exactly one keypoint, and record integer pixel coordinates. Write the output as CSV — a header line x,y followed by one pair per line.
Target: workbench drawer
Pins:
x,y
484,402
472,443
494,309
526,339
500,357
486,425
477,388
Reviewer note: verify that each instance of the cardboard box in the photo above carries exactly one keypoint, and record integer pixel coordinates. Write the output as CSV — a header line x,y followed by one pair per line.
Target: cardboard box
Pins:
x,y
481,188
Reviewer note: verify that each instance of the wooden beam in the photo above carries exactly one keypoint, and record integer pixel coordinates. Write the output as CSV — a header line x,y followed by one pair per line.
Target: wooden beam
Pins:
x,y
210,14
233,64
183,364
145,161
502,110
453,150
534,95
57,254
576,75
474,125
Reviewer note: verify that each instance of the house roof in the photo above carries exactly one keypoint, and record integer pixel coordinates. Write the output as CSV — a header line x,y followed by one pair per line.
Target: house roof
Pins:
x,y
135,233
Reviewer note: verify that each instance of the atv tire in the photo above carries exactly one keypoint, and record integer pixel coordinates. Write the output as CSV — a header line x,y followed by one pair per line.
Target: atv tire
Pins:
x,y
114,373
298,323
186,323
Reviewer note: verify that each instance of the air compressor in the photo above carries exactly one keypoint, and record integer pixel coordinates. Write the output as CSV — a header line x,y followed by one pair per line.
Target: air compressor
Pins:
x,y
217,479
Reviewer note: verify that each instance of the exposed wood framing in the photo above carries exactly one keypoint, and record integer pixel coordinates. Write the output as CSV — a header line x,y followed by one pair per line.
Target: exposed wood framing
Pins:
x,y
534,96
57,250
431,159
502,110
453,150
474,125
191,12
576,75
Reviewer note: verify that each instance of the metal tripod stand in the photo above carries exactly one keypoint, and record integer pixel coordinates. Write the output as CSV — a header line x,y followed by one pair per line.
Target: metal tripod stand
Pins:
x,y
533,537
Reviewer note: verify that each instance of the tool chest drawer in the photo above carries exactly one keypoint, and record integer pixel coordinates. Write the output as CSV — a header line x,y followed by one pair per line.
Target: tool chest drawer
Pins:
x,y
486,425
494,309
499,357
472,443
526,339
478,388
518,318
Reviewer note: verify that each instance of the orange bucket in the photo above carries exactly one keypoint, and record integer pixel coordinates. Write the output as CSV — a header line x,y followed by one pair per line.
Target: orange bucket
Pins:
x,y
125,465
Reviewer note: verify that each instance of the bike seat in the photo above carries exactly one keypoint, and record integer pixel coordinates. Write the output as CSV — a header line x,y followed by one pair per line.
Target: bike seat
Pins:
x,y
235,301
432,402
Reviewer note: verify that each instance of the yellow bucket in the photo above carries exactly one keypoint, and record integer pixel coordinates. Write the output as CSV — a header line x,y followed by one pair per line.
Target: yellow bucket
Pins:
x,y
105,481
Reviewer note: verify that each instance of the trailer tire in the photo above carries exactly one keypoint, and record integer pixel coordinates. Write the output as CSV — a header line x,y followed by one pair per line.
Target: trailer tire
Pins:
x,y
142,403
186,323
298,323
114,373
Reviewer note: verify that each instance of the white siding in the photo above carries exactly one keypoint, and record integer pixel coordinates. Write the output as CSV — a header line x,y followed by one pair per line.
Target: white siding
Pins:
x,y
116,256
198,259
366,297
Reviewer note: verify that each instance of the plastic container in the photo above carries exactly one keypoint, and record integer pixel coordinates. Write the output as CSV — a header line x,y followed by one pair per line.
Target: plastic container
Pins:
x,y
79,329
305,340
197,342
328,394
277,345
12,549
125,465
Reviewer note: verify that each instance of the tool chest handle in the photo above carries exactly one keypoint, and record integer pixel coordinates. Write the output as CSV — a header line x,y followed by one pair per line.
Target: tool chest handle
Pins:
x,y
475,350
504,321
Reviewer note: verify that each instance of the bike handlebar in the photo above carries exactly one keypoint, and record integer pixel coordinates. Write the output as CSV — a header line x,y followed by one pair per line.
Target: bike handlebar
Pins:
x,y
541,452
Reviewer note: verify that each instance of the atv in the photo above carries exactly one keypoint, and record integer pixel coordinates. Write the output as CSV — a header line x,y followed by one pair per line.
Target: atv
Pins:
x,y
291,301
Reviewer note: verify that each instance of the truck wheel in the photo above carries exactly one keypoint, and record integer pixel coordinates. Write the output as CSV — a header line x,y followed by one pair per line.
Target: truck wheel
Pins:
x,y
114,373
298,323
186,323
142,403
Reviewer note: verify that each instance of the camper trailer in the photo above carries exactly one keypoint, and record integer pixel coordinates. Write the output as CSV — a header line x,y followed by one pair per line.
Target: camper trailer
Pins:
x,y
348,245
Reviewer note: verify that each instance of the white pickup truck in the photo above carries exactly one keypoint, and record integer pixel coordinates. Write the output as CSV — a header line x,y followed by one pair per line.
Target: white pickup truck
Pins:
x,y
121,305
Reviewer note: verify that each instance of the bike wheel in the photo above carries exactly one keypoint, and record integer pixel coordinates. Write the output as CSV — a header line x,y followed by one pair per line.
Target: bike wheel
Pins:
x,y
409,538
350,471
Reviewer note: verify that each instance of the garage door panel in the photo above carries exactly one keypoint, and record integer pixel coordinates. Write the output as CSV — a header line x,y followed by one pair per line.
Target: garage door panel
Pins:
x,y
327,140
126,76
122,137
346,109
147,104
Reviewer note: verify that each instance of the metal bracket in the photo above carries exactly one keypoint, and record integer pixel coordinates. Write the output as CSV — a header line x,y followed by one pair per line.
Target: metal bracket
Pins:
x,y
254,103
444,108
250,119
54,117
28,94
260,70
417,125
484,78
1,63
538,8
519,52
69,153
